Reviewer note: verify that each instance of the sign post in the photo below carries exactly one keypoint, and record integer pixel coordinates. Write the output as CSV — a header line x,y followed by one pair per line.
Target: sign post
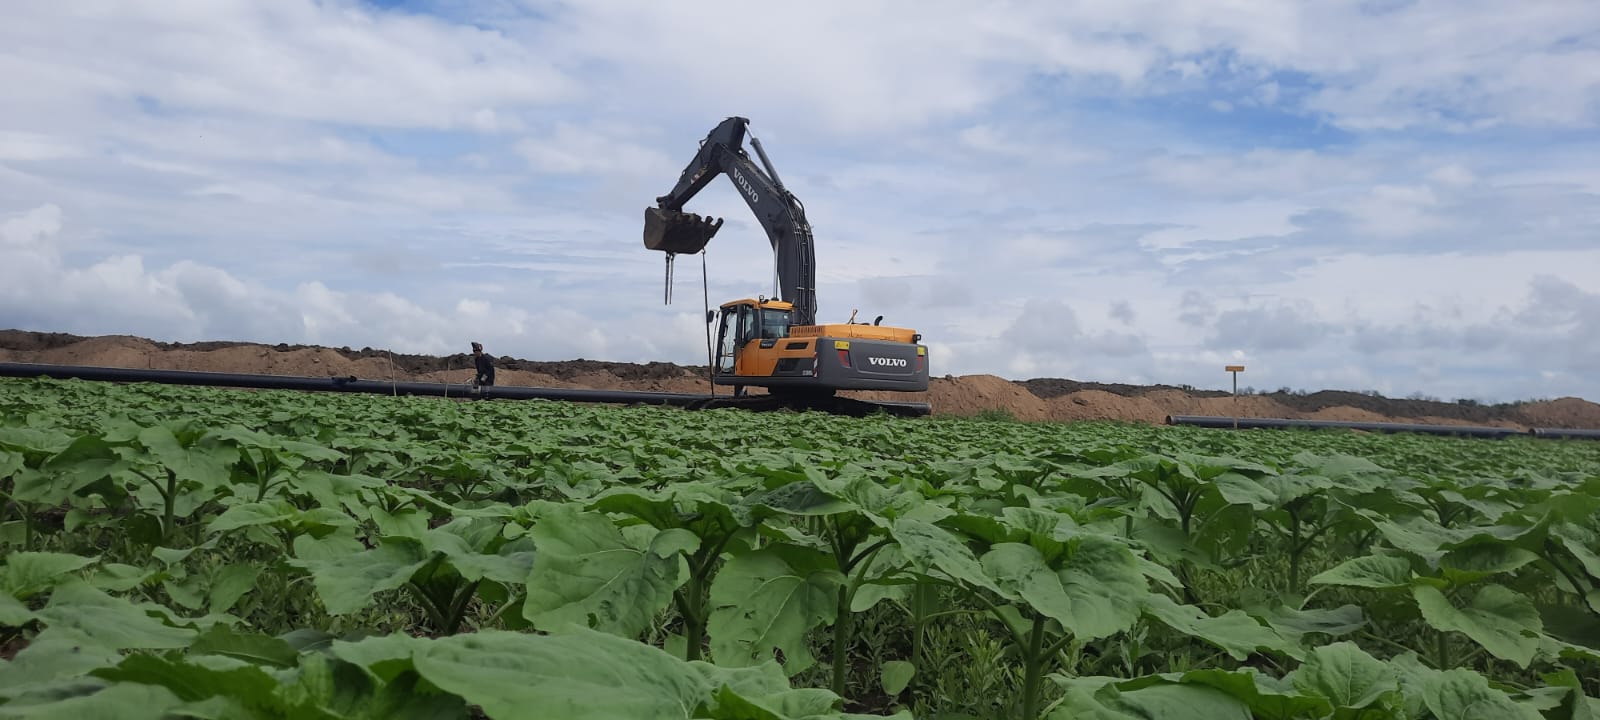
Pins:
x,y
1235,370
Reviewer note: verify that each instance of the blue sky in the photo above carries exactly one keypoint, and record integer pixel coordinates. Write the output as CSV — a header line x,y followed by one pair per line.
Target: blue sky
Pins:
x,y
1396,196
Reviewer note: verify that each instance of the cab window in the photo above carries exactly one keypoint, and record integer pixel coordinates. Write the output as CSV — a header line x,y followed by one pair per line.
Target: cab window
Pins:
x,y
774,323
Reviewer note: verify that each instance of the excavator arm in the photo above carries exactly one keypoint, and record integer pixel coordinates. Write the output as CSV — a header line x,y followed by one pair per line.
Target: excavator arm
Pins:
x,y
671,230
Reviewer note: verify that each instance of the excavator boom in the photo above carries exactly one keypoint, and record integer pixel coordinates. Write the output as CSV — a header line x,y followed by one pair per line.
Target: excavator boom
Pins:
x,y
669,229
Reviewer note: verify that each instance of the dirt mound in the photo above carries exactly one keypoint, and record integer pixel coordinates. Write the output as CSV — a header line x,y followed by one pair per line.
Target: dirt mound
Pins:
x,y
25,341
1567,412
970,395
1343,413
1037,399
1056,387
1103,405
1463,412
109,351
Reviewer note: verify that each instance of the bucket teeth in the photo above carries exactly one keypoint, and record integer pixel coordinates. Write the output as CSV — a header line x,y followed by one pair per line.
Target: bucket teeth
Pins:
x,y
678,232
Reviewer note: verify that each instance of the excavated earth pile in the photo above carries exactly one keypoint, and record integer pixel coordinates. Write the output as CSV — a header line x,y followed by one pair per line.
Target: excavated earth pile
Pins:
x,y
1038,399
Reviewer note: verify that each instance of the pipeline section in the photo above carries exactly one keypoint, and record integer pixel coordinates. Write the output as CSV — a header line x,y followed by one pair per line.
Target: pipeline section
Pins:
x,y
1210,421
448,390
1566,434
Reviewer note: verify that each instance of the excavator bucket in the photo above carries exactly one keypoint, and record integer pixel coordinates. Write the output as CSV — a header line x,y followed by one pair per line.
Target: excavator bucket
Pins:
x,y
677,232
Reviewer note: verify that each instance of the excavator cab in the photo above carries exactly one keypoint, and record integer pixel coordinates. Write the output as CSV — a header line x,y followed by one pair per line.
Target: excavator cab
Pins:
x,y
747,327
676,232
758,344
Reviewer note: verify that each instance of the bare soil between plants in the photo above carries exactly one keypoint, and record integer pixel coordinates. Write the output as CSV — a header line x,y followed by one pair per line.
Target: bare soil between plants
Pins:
x,y
1039,399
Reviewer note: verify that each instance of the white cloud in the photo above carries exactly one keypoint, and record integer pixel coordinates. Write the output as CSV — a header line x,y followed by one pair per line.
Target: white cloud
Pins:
x,y
571,150
1187,184
189,301
337,61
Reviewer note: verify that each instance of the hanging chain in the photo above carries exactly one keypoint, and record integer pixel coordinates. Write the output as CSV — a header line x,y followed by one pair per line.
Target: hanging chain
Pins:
x,y
669,280
705,290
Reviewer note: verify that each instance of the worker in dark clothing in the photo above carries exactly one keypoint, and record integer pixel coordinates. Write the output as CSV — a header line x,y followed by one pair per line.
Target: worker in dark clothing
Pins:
x,y
485,365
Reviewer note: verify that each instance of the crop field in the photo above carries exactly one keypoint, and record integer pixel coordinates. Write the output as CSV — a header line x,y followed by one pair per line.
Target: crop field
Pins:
x,y
192,552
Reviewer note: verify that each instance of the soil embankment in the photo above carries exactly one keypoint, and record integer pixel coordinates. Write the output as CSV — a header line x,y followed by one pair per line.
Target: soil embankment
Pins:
x,y
1036,399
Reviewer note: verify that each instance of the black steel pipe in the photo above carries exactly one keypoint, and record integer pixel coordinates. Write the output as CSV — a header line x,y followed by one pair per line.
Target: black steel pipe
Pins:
x,y
381,387
1209,421
1566,434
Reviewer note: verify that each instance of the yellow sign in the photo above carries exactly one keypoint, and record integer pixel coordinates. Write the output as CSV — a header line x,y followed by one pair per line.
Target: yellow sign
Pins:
x,y
1234,368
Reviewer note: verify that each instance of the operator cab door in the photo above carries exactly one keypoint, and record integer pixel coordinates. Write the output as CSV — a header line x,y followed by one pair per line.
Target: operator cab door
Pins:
x,y
737,327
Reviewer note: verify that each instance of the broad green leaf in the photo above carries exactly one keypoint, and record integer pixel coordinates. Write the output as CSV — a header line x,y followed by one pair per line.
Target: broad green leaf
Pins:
x,y
1348,677
1481,560
1241,490
129,701
896,675
1414,677
1268,698
385,656
203,461
1575,705
347,583
465,542
11,462
325,549
188,591
927,547
1371,571
1095,589
770,599
231,583
172,556
86,461
108,621
118,577
1583,542
52,655
1429,541
577,675
1503,621
1461,694
1040,523
409,523
1294,624
12,612
1234,631
345,692
807,703
882,581
330,490
34,440
1286,488
1341,466
1191,702
29,573
762,692
251,515
798,498
193,681
588,574
257,649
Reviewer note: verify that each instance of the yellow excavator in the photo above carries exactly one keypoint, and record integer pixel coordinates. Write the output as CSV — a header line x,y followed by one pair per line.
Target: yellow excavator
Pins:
x,y
777,343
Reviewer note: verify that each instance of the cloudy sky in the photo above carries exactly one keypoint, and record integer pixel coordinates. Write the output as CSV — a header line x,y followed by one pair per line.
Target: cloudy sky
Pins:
x,y
1396,195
